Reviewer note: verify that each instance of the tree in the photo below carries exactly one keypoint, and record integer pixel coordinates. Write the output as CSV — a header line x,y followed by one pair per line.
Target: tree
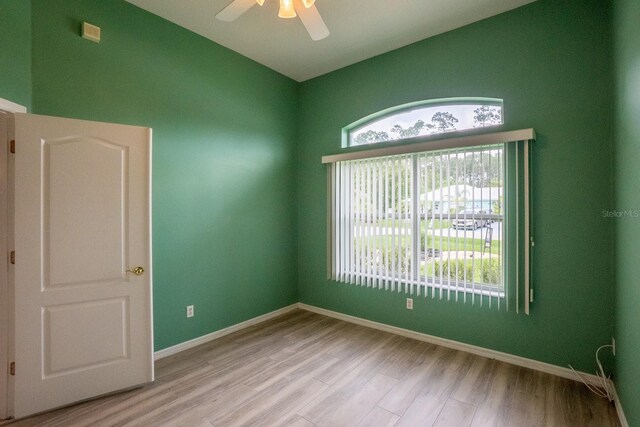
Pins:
x,y
480,169
411,131
473,168
370,137
487,116
496,209
444,122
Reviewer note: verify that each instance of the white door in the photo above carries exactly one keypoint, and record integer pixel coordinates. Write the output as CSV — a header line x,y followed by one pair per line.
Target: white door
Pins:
x,y
82,219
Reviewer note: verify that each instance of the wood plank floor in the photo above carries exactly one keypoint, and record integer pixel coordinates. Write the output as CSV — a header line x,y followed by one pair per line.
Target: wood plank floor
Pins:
x,y
303,369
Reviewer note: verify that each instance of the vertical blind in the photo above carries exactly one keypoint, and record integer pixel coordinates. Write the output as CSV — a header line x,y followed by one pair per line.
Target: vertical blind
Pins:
x,y
430,222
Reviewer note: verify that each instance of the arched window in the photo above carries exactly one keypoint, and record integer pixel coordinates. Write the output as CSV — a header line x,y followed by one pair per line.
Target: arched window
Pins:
x,y
442,216
424,119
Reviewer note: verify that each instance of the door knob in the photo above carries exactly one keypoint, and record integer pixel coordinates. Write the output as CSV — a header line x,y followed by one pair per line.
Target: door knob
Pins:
x,y
138,271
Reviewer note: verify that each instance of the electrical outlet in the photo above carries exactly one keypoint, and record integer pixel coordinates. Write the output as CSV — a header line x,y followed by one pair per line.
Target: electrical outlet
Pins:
x,y
190,311
613,345
409,303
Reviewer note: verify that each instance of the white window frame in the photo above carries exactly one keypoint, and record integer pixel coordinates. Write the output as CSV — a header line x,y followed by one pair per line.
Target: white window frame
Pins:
x,y
430,144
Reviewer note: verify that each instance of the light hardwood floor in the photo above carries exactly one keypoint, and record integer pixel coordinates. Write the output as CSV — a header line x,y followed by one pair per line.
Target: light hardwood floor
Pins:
x,y
304,369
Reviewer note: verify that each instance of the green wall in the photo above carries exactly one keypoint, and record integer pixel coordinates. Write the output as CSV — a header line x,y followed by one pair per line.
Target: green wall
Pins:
x,y
223,155
15,51
627,193
237,150
550,62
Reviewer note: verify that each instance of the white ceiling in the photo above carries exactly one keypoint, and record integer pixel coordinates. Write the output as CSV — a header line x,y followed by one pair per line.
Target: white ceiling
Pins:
x,y
360,29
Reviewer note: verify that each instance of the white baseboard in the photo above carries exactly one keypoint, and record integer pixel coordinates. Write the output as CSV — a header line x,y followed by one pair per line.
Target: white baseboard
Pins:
x,y
11,107
619,410
169,351
480,351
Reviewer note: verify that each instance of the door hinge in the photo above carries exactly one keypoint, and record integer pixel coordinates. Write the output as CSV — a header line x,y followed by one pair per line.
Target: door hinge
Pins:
x,y
12,146
12,257
530,295
12,368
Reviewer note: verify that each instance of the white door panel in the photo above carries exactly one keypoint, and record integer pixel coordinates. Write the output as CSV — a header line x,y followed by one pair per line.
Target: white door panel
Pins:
x,y
82,321
87,184
82,202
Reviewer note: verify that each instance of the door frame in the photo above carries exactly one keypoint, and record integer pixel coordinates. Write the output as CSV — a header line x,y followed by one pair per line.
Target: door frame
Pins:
x,y
6,288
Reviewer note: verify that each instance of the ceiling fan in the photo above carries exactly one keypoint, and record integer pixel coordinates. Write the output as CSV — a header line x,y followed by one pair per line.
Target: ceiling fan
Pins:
x,y
306,9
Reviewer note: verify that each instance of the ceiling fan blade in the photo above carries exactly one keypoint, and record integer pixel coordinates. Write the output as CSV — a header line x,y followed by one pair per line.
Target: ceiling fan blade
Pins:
x,y
312,20
235,9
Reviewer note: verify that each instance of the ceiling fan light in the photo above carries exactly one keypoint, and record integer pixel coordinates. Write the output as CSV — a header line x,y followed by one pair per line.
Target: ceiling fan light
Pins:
x,y
308,3
260,2
286,9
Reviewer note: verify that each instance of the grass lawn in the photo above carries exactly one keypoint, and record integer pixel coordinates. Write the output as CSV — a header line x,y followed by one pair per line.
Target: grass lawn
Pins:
x,y
480,269
445,243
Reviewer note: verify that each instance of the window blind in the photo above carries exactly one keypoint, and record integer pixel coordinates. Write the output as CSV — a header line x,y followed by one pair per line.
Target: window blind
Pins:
x,y
433,223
